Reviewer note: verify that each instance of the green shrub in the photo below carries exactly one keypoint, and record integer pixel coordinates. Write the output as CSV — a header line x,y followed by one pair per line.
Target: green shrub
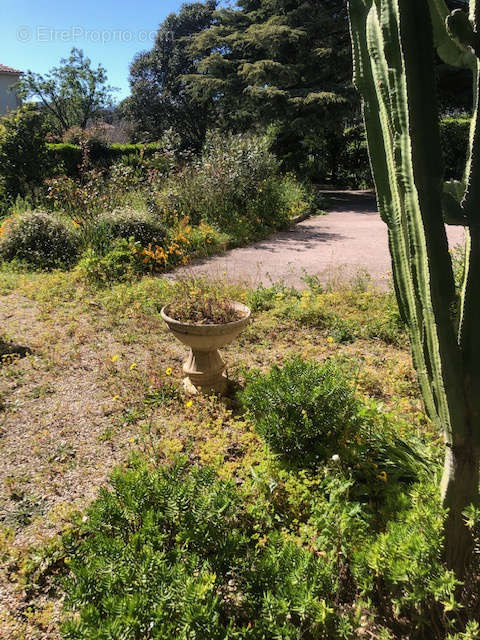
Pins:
x,y
118,264
66,157
354,165
126,223
236,187
302,409
405,562
39,239
23,153
171,553
308,412
175,553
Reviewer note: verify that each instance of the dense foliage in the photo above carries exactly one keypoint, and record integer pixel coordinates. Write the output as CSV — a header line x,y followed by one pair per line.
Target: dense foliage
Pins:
x,y
173,552
71,94
152,208
23,152
354,165
158,99
40,240
303,410
184,561
237,187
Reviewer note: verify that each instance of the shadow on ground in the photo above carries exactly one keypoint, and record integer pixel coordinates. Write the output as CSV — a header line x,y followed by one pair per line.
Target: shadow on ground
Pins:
x,y
363,202
10,350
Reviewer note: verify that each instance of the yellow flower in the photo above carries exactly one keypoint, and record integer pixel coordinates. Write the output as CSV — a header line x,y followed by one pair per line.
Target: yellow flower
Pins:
x,y
189,403
330,339
115,358
382,476
133,366
168,371
115,397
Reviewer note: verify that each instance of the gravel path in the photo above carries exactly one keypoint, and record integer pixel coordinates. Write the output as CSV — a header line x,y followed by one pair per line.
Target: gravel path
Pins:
x,y
349,239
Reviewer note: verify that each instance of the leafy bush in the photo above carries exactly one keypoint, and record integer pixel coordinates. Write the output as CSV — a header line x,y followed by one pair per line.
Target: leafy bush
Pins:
x,y
308,412
236,187
354,165
66,157
23,153
118,264
170,553
302,409
174,552
126,223
39,239
405,562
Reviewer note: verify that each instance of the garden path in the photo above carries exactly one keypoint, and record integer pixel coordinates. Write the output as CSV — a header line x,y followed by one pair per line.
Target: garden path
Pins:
x,y
349,240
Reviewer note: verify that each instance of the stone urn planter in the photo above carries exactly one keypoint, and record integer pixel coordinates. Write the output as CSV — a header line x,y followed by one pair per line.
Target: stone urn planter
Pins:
x,y
204,367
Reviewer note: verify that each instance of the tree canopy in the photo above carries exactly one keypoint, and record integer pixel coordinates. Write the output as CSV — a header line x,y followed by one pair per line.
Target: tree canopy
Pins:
x,y
159,100
70,94
282,62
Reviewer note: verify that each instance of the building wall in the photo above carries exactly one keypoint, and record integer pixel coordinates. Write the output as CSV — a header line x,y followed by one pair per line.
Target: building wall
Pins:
x,y
9,100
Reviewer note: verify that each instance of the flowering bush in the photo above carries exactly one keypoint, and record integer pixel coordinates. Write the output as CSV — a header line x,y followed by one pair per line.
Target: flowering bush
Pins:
x,y
236,187
182,243
126,258
119,264
40,239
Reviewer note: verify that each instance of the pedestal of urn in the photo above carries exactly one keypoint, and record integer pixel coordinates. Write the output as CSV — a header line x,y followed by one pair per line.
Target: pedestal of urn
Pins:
x,y
204,370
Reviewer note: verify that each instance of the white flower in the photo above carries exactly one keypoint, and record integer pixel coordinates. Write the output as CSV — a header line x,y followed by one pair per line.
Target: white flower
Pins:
x,y
335,457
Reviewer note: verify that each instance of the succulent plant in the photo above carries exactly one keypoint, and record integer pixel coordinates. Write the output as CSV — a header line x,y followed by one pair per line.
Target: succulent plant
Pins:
x,y
394,43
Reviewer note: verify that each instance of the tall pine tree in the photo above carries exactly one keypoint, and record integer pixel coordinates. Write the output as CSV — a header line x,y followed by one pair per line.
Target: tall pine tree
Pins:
x,y
280,62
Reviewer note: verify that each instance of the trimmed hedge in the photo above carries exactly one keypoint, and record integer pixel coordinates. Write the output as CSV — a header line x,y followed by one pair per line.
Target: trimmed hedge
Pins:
x,y
66,158
353,169
354,165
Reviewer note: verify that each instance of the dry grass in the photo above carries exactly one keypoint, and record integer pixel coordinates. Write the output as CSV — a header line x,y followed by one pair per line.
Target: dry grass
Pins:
x,y
103,378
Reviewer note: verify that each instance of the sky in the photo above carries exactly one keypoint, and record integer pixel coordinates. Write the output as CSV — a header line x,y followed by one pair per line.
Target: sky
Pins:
x,y
36,34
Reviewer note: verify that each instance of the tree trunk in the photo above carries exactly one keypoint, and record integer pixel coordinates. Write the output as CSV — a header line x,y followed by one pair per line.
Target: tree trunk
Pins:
x,y
460,488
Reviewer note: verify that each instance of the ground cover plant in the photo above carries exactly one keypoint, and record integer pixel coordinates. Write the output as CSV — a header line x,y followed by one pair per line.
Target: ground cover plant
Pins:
x,y
243,540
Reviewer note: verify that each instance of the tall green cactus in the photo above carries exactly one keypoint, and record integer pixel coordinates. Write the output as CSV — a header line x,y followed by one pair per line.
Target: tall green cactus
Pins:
x,y
393,45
